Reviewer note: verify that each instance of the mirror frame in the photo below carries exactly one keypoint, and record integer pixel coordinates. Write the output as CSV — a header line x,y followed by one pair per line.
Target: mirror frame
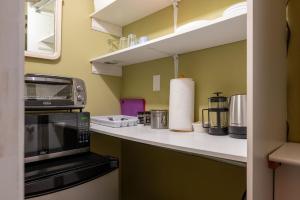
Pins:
x,y
58,33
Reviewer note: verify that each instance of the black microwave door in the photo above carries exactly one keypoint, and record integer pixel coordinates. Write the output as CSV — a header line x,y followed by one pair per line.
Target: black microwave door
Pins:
x,y
64,133
36,135
50,133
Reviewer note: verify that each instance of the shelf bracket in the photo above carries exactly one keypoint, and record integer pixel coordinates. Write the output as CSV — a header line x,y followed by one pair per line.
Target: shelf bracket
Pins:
x,y
175,12
106,69
273,165
176,65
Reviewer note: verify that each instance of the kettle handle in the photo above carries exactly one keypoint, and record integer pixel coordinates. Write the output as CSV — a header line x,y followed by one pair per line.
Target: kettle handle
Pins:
x,y
203,123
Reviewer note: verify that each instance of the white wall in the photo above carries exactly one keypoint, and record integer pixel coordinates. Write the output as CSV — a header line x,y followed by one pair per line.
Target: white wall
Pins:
x,y
11,99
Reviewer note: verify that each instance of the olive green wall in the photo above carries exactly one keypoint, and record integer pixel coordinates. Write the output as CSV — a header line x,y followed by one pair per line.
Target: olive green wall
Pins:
x,y
294,71
215,69
151,173
161,23
154,173
79,45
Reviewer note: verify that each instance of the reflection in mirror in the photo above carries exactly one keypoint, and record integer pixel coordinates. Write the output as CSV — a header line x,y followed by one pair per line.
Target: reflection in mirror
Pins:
x,y
41,28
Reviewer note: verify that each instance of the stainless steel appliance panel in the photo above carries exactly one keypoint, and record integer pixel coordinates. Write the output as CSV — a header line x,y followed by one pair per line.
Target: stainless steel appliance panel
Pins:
x,y
238,117
238,111
105,187
86,176
52,92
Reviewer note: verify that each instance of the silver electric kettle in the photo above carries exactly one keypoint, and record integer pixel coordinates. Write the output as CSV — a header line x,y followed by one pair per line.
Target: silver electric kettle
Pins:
x,y
238,116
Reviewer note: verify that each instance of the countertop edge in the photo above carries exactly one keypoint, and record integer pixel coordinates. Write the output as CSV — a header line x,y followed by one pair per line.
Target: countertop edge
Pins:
x,y
202,152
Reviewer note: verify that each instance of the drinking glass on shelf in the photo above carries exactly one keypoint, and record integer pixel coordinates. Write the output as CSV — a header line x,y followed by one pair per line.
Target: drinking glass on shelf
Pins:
x,y
132,40
123,43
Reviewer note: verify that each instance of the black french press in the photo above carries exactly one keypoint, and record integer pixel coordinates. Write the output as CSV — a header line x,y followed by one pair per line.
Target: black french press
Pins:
x,y
217,111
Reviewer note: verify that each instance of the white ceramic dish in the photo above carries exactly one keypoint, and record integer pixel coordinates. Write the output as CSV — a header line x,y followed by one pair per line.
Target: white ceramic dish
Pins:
x,y
197,127
192,25
236,9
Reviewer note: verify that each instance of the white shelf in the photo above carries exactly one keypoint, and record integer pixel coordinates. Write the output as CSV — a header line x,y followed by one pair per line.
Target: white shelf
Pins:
x,y
122,12
223,30
218,147
45,5
49,39
288,153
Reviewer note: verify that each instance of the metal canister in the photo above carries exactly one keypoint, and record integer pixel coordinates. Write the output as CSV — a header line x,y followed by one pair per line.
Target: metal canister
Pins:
x,y
159,119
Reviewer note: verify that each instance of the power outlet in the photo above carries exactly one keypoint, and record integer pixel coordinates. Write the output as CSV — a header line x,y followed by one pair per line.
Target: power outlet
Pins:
x,y
156,83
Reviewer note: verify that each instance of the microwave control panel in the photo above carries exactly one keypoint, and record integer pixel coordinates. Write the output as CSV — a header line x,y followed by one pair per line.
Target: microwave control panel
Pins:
x,y
84,128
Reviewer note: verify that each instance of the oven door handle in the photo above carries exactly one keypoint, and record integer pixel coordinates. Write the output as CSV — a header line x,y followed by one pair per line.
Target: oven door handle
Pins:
x,y
35,79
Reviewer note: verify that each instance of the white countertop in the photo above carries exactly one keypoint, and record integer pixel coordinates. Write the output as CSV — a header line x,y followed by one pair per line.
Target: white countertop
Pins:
x,y
220,147
289,153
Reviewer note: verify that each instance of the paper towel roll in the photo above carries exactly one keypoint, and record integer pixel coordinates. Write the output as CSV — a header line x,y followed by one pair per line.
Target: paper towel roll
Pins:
x,y
181,107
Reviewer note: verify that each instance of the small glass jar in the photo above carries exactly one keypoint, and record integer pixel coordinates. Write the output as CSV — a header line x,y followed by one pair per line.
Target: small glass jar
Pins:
x,y
132,40
123,43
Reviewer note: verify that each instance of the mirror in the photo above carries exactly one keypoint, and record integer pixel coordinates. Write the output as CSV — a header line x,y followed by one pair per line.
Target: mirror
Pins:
x,y
43,28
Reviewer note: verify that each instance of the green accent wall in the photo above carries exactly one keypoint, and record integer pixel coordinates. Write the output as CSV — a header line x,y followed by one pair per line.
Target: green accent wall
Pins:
x,y
161,22
294,71
137,82
215,69
151,173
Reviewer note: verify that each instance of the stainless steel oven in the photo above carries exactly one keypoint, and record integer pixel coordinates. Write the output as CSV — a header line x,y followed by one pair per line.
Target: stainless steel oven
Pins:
x,y
53,92
55,134
85,176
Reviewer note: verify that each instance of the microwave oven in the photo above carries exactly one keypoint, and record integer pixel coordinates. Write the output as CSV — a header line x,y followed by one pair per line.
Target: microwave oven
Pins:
x,y
55,134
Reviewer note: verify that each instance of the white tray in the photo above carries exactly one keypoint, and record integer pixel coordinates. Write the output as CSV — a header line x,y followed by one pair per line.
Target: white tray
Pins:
x,y
115,121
